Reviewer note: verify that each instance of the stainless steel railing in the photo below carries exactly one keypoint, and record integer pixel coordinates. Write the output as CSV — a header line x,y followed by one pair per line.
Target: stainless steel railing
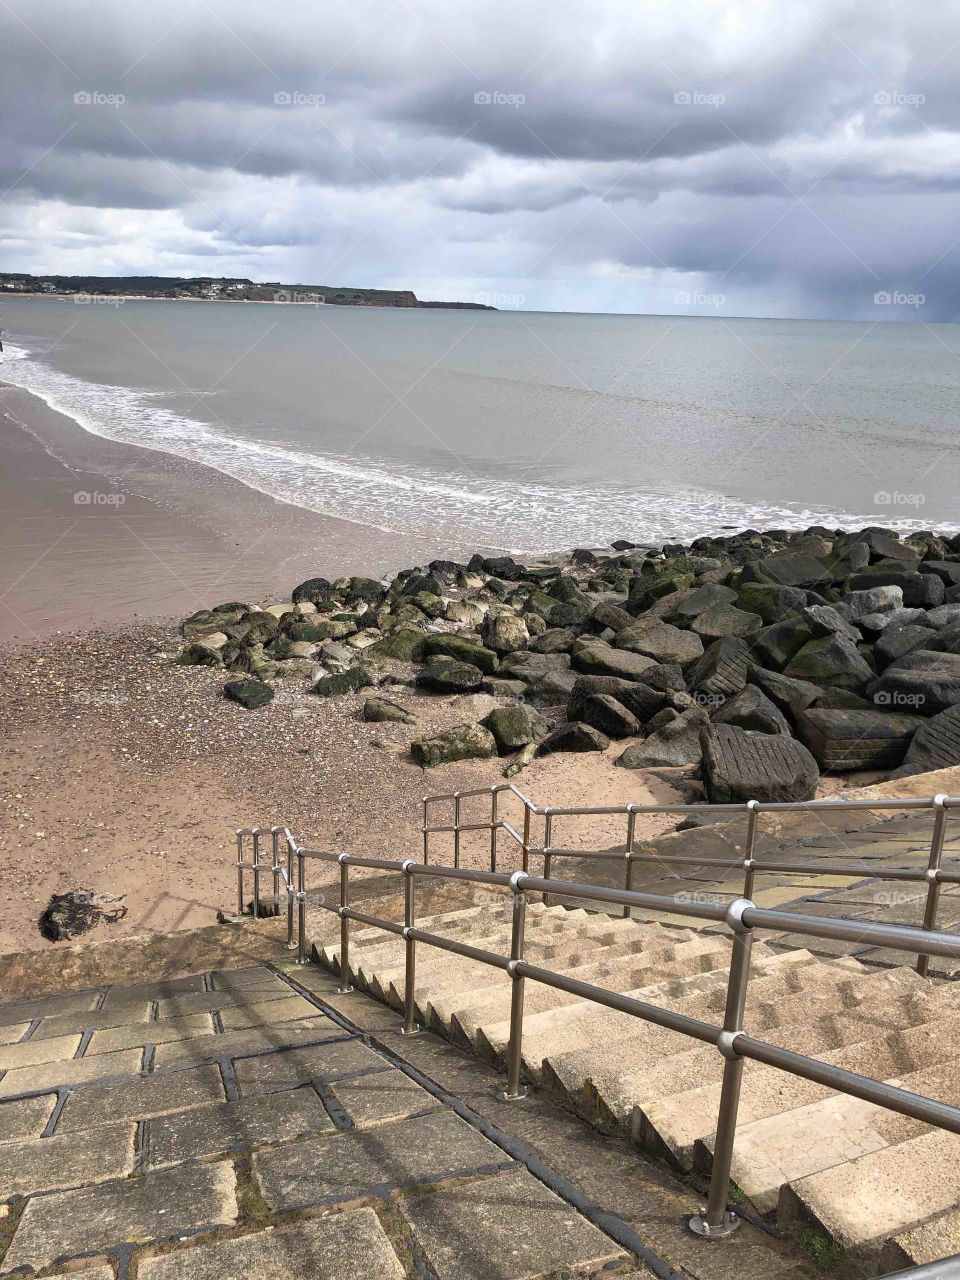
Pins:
x,y
933,875
733,1042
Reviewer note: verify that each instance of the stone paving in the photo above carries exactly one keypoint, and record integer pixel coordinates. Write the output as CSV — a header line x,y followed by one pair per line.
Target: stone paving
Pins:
x,y
223,1125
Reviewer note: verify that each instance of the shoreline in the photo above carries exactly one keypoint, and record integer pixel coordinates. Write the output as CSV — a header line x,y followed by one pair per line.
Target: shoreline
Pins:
x,y
160,536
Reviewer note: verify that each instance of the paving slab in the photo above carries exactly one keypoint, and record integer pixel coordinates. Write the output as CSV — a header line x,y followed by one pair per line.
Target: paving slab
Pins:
x,y
212,1001
165,989
374,1099
504,1228
256,975
252,1040
359,1163
158,1206
14,1031
291,1067
112,1016
211,1131
48,1007
140,1099
66,1160
343,1246
156,1032
51,1075
26,1119
264,1011
28,1052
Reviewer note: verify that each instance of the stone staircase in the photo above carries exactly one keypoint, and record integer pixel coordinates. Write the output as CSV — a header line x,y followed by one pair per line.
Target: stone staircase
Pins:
x,y
870,1178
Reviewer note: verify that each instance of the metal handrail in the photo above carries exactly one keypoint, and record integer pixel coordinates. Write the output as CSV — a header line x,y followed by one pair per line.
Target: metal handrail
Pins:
x,y
933,875
735,1045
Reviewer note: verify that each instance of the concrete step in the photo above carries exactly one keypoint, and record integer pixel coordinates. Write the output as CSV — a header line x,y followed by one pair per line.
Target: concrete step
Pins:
x,y
880,1194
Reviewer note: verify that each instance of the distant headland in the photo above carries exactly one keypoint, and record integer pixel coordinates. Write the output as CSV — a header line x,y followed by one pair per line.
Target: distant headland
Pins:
x,y
218,289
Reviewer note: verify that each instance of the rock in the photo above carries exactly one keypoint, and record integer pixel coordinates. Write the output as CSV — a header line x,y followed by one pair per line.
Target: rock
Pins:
x,y
463,649
366,589
769,601
552,689
842,700
67,915
832,660
725,620
943,616
611,615
611,717
873,625
586,686
776,645
465,612
532,668
312,591
936,743
873,599
595,657
280,610
377,710
677,743
920,590
446,675
845,740
921,682
502,688
466,742
261,627
249,693
199,654
661,641
787,570
403,644
723,667
740,766
556,640
683,606
512,727
947,570
666,676
505,632
825,621
893,644
752,709
359,677
787,693
643,701
573,736
520,761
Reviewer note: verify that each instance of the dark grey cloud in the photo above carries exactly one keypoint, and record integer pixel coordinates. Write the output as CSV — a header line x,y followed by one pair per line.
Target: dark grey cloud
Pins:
x,y
794,160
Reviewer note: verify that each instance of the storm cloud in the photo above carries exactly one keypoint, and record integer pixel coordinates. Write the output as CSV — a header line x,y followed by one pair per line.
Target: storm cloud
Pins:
x,y
743,159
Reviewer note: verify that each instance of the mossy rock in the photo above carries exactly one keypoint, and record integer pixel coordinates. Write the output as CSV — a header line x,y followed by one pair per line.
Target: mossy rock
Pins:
x,y
261,626
403,644
198,654
463,650
359,677
248,693
429,604
512,727
466,742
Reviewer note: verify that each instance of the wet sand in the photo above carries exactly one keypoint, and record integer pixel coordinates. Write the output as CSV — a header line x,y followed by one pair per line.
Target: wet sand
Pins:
x,y
92,531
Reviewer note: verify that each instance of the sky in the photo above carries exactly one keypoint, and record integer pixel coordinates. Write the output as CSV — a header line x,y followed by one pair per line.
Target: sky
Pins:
x,y
767,159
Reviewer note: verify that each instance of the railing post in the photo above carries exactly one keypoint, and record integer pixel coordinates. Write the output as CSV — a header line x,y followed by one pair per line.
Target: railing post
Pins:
x,y
717,1221
494,825
301,908
291,895
749,873
275,852
515,1090
344,987
628,858
526,837
932,877
256,872
239,872
547,855
456,829
426,833
410,1027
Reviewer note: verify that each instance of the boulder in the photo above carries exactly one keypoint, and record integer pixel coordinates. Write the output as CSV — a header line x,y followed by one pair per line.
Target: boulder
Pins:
x,y
771,602
943,616
512,727
873,625
789,694
752,709
464,612
505,632
683,606
610,615
832,660
643,701
555,640
787,570
725,620
775,645
893,644
676,744
552,689
660,641
359,677
936,743
465,742
586,686
312,591
844,740
463,649
403,644
261,627
199,654
921,682
595,657
740,766
532,668
666,676
722,669
380,710
447,675
502,688
872,599
249,693
608,715
920,590
574,736
823,620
